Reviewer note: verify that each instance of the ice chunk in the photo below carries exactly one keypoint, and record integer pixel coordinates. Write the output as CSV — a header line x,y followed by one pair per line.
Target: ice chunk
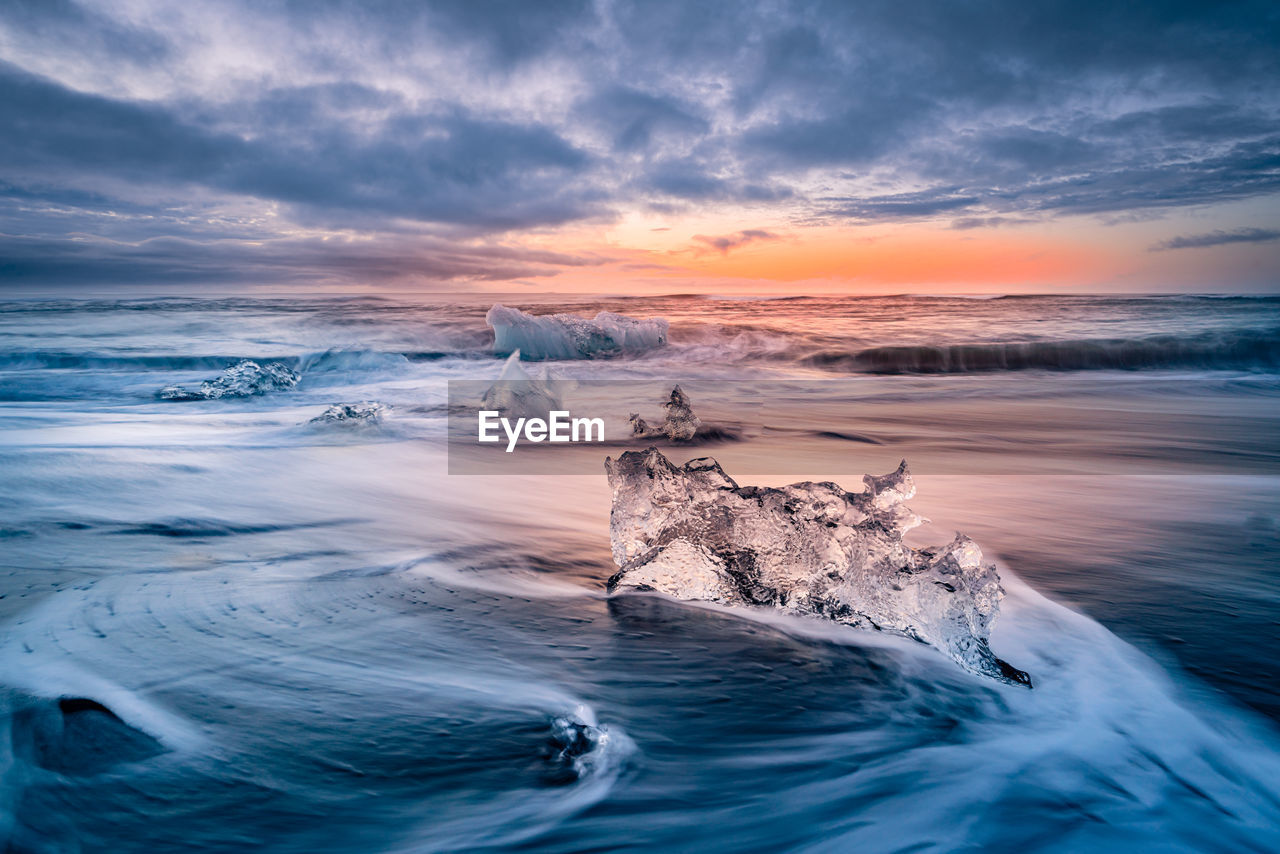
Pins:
x,y
886,494
518,395
679,424
368,412
243,379
568,336
579,746
683,570
810,548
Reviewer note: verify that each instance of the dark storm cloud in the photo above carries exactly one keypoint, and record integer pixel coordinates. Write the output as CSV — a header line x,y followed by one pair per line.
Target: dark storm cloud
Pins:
x,y
507,31
469,118
68,26
203,258
1218,238
1125,181
632,118
448,166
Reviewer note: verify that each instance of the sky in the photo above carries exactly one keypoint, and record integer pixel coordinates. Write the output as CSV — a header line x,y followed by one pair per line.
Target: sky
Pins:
x,y
640,147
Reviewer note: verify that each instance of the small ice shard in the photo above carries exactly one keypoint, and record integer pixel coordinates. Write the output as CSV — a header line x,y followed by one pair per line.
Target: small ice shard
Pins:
x,y
571,743
579,745
568,336
679,424
809,548
518,395
246,378
368,412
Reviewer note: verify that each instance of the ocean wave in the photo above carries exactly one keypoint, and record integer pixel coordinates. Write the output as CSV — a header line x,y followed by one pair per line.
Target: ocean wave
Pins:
x,y
1231,350
321,361
466,746
568,336
350,361
64,360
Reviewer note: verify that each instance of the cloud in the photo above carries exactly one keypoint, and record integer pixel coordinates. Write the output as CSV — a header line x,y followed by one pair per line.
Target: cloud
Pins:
x,y
445,166
633,118
724,243
79,29
1219,238
479,120
85,259
967,223
509,31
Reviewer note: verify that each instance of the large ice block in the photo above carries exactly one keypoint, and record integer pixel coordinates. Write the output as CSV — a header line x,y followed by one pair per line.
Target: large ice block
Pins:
x,y
810,548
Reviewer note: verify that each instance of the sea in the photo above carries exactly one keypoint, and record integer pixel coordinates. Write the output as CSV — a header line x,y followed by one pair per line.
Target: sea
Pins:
x,y
226,627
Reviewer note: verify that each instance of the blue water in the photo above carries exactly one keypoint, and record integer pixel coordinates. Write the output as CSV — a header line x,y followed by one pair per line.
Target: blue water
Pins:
x,y
277,635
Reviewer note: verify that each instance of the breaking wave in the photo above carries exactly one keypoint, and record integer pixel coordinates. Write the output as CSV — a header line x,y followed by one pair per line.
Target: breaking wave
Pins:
x,y
717,343
1232,350
568,336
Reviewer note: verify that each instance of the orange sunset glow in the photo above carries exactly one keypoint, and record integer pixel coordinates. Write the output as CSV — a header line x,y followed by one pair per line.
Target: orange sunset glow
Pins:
x,y
843,260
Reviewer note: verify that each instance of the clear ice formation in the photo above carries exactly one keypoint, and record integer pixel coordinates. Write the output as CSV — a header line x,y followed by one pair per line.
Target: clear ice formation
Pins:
x,y
573,744
679,424
568,336
518,395
243,379
809,548
368,412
